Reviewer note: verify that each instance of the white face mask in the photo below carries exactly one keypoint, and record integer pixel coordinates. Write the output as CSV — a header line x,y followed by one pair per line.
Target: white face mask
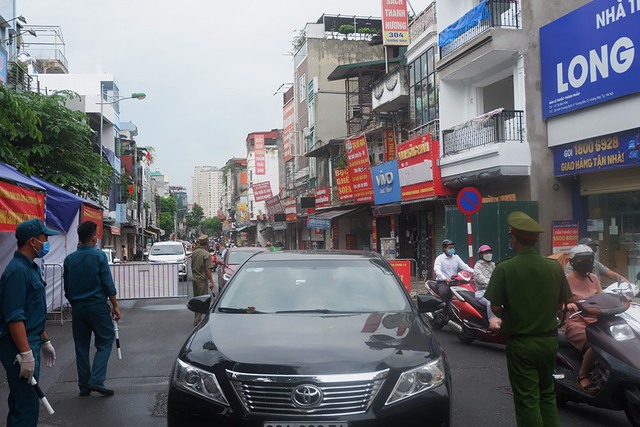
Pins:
x,y
487,257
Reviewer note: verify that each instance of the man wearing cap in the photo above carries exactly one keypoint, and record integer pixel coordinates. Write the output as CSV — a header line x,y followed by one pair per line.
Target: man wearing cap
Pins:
x,y
201,266
88,285
525,293
23,311
598,268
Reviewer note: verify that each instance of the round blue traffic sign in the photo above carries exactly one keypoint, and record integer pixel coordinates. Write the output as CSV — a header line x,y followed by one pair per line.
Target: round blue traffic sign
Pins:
x,y
469,200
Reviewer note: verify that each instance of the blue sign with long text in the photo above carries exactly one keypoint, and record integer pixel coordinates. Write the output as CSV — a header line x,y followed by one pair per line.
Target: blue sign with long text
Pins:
x,y
604,152
590,56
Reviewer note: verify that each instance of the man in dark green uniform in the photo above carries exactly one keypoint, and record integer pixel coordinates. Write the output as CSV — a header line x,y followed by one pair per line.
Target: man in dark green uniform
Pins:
x,y
23,311
525,293
201,266
87,285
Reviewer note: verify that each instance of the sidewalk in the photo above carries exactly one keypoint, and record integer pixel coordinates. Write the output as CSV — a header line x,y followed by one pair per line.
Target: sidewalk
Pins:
x,y
151,334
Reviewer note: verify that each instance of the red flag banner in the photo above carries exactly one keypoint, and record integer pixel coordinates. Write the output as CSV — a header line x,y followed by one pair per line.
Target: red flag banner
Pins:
x,y
94,215
359,169
343,181
259,151
18,204
262,191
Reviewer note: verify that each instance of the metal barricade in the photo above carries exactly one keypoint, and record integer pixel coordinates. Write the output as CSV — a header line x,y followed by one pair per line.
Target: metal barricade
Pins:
x,y
139,280
56,302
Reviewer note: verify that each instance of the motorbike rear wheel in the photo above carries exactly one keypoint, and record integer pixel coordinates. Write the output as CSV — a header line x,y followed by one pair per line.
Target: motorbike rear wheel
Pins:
x,y
440,318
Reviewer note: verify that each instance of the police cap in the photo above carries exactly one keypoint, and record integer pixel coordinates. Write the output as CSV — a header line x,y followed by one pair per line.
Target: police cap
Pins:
x,y
522,225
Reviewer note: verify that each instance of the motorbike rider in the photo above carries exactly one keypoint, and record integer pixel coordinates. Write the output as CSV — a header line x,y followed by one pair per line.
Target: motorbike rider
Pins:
x,y
598,268
447,265
583,284
481,274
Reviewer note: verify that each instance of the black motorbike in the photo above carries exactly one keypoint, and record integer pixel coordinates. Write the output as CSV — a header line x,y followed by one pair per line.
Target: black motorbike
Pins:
x,y
616,373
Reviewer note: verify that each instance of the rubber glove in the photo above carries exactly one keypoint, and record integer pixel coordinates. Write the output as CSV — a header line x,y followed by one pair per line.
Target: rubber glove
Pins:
x,y
49,354
27,364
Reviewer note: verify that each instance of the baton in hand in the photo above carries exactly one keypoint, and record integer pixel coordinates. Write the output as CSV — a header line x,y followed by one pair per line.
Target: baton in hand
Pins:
x,y
115,328
41,395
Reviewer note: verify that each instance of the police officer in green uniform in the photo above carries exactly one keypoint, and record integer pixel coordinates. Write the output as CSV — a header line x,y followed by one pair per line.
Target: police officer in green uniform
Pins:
x,y
87,285
23,311
526,292
201,266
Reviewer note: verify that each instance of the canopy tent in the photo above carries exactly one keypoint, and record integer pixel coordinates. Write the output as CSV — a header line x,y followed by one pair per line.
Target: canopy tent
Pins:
x,y
64,212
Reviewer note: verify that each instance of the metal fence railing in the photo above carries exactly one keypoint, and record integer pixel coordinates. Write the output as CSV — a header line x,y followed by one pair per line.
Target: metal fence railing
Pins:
x,y
57,305
137,280
490,128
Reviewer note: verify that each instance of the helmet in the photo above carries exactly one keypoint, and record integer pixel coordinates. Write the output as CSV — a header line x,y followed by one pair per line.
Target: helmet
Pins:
x,y
447,242
587,241
580,250
485,248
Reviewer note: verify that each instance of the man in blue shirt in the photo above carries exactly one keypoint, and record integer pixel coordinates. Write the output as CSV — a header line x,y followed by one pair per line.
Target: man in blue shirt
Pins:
x,y
87,285
23,311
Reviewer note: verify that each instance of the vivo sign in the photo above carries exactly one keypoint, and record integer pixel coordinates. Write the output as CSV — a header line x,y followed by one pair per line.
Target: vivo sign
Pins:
x,y
589,56
386,186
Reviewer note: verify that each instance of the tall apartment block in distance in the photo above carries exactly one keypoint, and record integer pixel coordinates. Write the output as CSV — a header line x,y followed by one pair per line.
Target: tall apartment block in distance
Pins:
x,y
208,189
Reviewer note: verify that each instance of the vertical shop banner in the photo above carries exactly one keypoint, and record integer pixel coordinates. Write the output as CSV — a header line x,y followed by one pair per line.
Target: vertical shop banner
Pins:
x,y
335,234
343,182
588,56
565,236
415,168
395,23
273,206
259,151
288,128
323,197
359,169
386,185
389,145
403,270
18,204
262,191
290,209
242,214
94,215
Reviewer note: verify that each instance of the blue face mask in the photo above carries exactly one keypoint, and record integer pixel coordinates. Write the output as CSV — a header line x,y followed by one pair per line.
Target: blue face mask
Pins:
x,y
451,252
46,247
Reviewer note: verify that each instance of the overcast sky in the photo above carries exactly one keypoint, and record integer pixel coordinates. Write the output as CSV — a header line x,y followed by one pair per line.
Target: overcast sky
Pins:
x,y
209,67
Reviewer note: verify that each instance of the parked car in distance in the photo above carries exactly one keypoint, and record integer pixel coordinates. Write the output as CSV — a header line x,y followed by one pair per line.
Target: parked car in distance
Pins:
x,y
316,338
172,252
232,259
111,255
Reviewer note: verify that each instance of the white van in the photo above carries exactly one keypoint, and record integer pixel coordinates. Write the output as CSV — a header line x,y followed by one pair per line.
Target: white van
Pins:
x,y
172,252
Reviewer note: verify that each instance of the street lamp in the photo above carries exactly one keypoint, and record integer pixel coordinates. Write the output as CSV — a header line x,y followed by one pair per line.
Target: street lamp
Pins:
x,y
19,18
135,95
8,40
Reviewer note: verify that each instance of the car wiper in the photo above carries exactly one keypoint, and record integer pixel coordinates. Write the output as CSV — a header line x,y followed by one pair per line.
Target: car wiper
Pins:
x,y
315,310
248,310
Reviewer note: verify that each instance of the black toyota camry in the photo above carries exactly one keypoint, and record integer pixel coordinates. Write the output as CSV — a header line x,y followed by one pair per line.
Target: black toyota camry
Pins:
x,y
312,339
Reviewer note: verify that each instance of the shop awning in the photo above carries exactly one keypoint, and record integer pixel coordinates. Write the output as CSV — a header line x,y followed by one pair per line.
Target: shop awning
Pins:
x,y
346,71
240,228
333,214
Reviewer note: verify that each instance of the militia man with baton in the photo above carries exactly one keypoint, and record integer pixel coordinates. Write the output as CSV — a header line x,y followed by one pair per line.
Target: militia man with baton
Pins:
x,y
88,285
23,311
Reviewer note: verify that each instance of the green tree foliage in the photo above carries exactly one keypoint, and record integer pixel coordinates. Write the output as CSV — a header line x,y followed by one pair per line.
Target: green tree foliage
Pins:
x,y
212,226
194,217
166,221
169,205
42,137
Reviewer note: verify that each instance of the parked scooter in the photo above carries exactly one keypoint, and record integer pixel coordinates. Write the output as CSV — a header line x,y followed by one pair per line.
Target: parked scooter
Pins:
x,y
629,290
616,373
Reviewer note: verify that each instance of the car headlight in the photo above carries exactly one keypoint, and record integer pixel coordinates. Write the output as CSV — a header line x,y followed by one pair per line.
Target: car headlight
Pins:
x,y
417,380
622,332
199,382
226,277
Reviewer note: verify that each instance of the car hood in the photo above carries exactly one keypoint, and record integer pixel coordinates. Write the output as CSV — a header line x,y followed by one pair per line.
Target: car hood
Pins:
x,y
166,258
311,344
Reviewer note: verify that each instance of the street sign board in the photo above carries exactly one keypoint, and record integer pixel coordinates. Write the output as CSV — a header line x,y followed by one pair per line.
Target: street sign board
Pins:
x,y
469,200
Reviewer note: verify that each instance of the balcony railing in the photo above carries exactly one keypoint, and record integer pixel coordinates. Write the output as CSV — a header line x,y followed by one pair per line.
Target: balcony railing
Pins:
x,y
17,77
488,14
494,127
432,128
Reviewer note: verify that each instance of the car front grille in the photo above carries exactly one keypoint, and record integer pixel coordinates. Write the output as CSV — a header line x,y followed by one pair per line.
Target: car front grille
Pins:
x,y
342,394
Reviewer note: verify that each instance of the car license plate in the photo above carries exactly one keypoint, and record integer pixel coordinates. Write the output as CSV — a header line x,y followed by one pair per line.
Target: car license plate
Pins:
x,y
309,424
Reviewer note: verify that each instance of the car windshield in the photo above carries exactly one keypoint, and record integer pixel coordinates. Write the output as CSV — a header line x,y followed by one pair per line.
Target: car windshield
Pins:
x,y
167,250
238,257
332,286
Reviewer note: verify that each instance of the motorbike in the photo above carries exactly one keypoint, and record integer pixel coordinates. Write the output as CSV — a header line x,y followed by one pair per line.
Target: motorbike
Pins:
x,y
462,281
616,373
629,290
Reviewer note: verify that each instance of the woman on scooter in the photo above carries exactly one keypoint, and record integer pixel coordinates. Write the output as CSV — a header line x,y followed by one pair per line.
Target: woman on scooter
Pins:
x,y
583,284
481,274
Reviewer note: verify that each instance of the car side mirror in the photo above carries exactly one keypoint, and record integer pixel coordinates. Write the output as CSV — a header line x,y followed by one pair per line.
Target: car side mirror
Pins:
x,y
429,303
200,304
